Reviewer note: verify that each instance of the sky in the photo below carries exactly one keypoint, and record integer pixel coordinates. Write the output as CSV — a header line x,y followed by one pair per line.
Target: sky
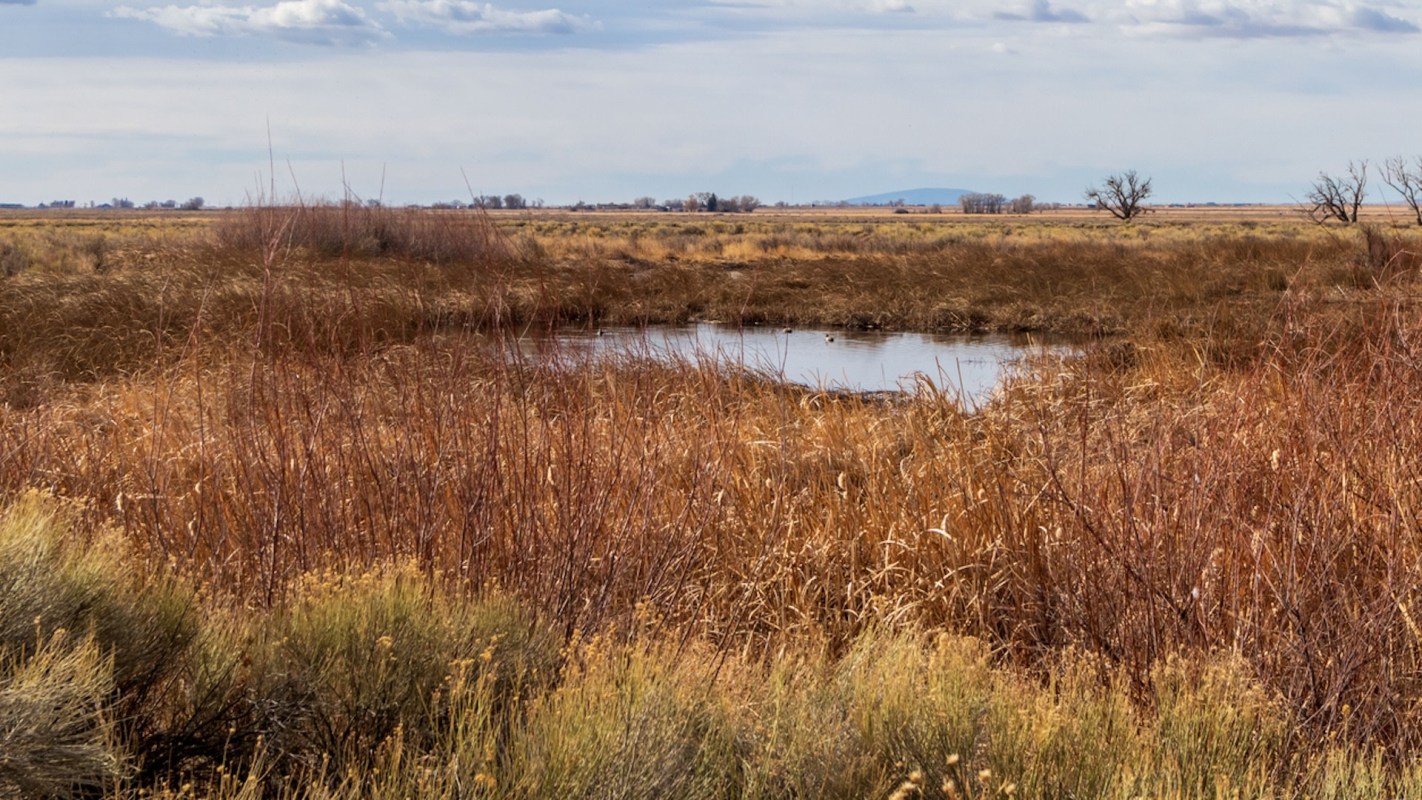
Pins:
x,y
418,101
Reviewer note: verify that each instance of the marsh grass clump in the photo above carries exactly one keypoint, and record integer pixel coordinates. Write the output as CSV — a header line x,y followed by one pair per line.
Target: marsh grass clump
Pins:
x,y
51,583
111,678
1214,727
892,706
167,686
354,230
639,721
82,627
356,660
57,737
1388,256
14,258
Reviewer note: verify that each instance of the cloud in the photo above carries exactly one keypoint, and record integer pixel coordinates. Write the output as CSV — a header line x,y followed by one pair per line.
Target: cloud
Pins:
x,y
1254,19
1042,11
1370,19
814,9
467,17
17,2
327,22
1236,19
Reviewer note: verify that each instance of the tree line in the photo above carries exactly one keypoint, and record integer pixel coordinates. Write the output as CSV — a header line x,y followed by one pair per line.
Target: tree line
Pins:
x,y
191,204
492,201
709,202
985,203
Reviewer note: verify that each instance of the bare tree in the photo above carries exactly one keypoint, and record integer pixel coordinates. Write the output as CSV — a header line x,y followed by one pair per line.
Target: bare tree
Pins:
x,y
1405,182
1339,197
1122,195
982,203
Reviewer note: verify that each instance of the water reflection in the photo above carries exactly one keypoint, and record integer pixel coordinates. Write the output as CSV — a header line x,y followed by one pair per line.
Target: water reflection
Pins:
x,y
862,361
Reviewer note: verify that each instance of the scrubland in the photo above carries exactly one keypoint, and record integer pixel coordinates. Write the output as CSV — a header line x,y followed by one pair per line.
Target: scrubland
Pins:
x,y
288,516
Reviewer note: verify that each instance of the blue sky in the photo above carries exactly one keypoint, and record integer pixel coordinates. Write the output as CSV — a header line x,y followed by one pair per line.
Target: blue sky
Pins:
x,y
797,100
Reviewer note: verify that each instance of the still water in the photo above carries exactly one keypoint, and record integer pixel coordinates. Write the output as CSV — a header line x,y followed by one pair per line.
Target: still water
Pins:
x,y
859,361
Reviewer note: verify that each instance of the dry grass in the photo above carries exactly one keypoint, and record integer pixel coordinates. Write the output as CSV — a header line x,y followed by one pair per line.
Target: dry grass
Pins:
x,y
1260,511
1193,545
380,684
344,279
55,738
351,230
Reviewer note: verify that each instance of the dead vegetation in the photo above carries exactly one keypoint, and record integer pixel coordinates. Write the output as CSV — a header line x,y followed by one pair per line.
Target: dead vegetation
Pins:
x,y
1223,501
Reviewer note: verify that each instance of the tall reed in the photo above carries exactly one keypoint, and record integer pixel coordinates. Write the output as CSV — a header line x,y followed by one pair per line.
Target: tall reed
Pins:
x,y
1235,479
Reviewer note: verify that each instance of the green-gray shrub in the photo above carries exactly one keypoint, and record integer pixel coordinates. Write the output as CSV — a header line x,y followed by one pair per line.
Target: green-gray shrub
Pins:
x,y
354,661
55,738
633,722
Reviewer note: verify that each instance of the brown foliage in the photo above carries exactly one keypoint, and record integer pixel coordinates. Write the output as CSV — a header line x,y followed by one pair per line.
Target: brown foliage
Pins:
x,y
1240,477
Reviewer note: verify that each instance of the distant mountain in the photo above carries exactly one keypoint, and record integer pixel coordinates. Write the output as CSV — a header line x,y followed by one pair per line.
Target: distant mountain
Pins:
x,y
912,197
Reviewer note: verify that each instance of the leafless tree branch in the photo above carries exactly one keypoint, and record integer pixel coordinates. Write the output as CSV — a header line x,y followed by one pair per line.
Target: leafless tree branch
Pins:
x,y
1405,182
1122,195
1339,197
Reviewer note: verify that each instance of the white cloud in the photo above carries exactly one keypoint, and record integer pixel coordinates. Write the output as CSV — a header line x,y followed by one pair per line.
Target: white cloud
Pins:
x,y
467,17
1382,22
1042,11
817,8
310,21
1258,18
1190,19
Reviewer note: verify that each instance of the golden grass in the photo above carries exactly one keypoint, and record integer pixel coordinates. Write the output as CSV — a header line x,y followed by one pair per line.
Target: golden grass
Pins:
x,y
379,684
340,279
1184,561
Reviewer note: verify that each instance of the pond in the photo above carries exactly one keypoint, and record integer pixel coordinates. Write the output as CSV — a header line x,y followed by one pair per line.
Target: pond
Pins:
x,y
835,360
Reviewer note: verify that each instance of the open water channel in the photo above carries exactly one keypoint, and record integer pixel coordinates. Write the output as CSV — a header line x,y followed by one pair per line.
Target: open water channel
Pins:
x,y
835,360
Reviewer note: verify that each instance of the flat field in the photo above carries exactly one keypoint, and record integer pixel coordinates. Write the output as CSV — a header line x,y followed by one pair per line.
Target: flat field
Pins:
x,y
286,519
